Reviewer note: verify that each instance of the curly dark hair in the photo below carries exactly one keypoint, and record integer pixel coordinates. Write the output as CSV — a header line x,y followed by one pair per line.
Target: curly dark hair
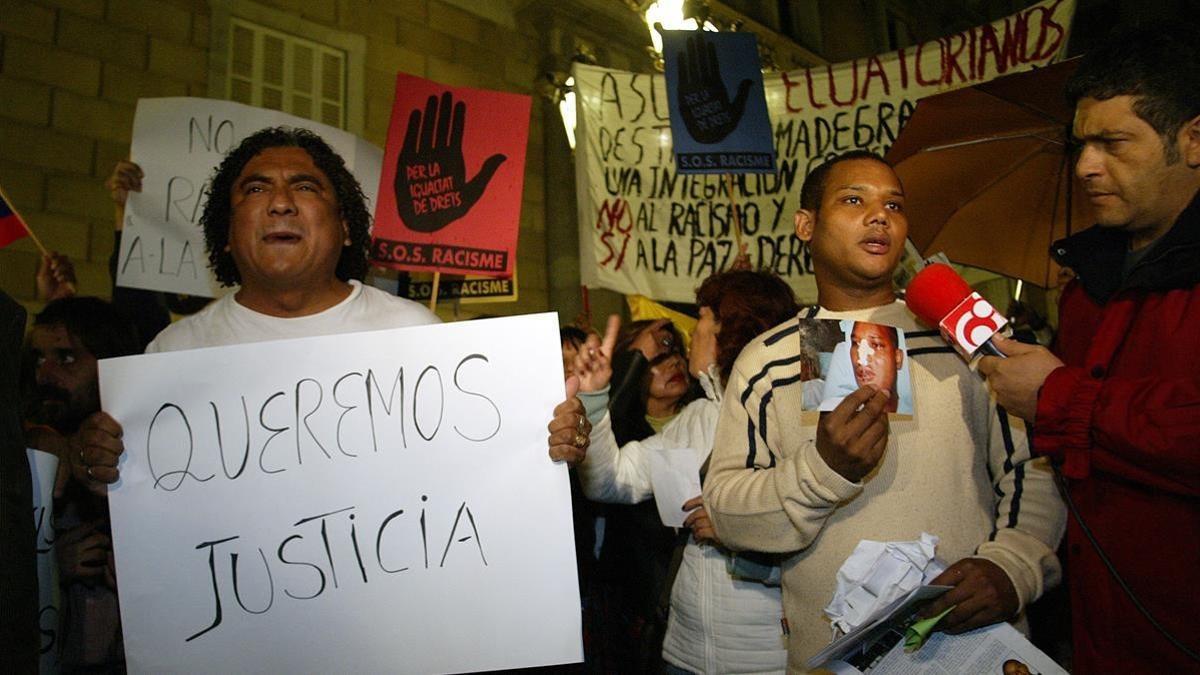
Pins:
x,y
572,335
813,190
101,326
351,204
1158,65
746,303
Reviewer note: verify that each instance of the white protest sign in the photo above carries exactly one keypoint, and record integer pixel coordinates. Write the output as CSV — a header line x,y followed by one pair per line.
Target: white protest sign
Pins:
x,y
178,142
646,229
371,502
675,476
44,466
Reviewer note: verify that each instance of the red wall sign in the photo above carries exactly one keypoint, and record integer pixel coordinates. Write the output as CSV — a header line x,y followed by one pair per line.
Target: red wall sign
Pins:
x,y
450,189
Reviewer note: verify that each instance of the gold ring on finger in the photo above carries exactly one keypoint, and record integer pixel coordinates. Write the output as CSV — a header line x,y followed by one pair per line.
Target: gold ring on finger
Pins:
x,y
580,425
89,473
580,440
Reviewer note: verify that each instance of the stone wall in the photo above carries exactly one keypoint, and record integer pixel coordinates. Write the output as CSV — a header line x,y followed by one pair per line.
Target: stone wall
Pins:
x,y
71,72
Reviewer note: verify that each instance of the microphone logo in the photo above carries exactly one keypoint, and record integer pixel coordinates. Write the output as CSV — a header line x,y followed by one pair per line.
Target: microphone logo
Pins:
x,y
971,323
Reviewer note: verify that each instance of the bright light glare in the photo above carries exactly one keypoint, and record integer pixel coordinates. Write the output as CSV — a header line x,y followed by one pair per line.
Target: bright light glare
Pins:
x,y
670,14
566,108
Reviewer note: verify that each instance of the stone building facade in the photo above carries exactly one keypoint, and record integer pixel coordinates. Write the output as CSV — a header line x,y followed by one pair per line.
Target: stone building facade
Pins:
x,y
71,72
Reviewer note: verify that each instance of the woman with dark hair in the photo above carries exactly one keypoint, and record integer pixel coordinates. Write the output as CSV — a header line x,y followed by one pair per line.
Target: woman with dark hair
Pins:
x,y
647,354
571,338
650,386
720,619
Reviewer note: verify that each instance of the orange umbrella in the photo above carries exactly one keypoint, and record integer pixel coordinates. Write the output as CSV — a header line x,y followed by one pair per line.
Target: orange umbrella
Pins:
x,y
987,174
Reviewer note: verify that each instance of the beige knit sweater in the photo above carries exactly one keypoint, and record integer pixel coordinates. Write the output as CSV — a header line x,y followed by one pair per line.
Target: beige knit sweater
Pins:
x,y
959,469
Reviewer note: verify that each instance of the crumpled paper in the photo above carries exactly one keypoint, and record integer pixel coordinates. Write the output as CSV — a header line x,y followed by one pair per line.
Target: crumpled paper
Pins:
x,y
876,574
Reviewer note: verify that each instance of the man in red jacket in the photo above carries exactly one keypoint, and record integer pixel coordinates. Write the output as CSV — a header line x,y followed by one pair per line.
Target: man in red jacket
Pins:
x,y
1117,405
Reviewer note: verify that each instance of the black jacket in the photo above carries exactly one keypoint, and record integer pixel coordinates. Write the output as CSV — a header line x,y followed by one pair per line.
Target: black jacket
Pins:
x,y
19,640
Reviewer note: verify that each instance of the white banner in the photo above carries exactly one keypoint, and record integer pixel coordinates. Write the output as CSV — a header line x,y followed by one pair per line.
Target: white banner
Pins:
x,y
178,142
374,502
43,466
645,229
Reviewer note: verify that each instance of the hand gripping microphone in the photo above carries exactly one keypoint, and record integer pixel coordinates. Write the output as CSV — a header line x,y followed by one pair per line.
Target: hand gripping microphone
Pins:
x,y
939,297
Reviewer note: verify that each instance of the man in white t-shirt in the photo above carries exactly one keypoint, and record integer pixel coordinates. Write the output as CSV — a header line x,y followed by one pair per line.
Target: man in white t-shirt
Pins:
x,y
286,221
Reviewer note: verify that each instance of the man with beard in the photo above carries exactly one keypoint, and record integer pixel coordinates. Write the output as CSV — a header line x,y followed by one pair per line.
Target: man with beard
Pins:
x,y
66,341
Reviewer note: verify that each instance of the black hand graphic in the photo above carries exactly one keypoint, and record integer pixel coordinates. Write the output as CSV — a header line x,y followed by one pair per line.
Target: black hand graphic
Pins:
x,y
707,112
431,186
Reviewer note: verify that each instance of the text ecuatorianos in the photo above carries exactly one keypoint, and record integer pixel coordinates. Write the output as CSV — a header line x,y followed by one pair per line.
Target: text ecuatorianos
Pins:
x,y
974,55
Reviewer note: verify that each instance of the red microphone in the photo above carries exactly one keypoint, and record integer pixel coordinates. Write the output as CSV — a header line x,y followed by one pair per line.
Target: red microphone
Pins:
x,y
939,297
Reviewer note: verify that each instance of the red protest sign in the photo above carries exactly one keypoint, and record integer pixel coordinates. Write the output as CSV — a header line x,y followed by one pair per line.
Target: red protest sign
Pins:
x,y
450,189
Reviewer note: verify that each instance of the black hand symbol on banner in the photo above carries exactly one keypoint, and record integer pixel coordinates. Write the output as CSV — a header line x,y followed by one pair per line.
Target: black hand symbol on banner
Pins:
x,y
431,186
703,101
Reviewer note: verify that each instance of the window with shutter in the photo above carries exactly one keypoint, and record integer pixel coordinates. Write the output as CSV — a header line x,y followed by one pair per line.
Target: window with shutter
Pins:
x,y
271,69
271,59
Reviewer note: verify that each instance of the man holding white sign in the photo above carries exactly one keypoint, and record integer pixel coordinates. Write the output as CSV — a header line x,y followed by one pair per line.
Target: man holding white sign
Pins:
x,y
288,222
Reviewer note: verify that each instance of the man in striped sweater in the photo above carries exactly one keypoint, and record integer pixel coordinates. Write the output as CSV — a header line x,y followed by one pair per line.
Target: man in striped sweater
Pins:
x,y
959,468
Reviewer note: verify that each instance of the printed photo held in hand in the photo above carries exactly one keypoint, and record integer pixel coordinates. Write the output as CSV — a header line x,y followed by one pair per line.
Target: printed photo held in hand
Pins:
x,y
869,354
453,171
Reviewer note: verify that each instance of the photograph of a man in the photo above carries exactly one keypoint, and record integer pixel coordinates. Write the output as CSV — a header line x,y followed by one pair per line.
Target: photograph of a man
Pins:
x,y
1015,667
872,354
876,357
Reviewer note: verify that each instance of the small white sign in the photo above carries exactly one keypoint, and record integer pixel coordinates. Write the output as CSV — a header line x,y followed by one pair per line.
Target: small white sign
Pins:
x,y
44,467
675,475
